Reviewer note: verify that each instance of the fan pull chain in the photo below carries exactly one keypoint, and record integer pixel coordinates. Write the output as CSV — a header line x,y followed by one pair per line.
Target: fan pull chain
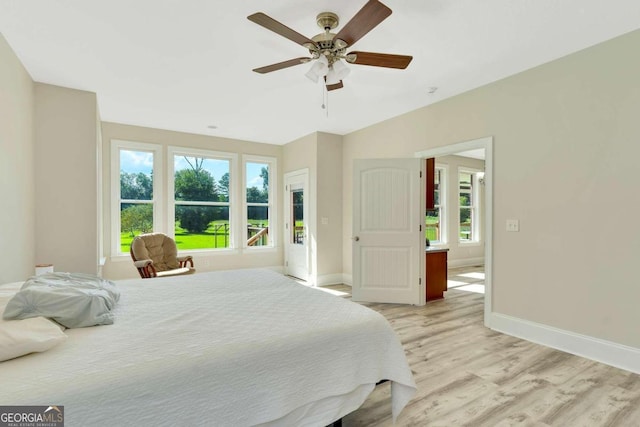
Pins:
x,y
325,99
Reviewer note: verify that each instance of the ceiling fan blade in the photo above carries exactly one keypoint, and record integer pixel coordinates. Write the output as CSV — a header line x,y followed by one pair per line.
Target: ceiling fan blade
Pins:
x,y
279,28
281,65
364,21
338,85
380,59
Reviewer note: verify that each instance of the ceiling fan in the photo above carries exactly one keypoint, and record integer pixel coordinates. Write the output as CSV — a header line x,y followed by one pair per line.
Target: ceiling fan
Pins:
x,y
328,49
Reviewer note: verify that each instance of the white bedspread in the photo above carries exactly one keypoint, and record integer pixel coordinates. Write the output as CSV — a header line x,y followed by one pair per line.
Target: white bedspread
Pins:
x,y
227,348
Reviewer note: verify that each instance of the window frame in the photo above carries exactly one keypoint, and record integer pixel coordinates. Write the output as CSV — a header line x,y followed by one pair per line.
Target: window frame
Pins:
x,y
442,206
272,211
173,151
473,207
118,145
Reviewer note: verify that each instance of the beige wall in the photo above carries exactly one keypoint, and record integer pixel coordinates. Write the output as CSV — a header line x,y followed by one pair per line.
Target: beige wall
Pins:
x,y
566,147
461,254
120,267
17,216
66,178
329,208
321,154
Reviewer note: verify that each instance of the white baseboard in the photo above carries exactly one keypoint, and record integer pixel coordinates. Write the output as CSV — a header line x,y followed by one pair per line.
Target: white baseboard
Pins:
x,y
465,262
329,279
610,353
347,279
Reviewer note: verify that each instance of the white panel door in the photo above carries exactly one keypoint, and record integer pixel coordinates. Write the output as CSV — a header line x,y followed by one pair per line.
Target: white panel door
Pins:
x,y
388,242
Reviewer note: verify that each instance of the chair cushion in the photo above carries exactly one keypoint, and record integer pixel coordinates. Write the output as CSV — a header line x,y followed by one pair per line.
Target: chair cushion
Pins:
x,y
176,272
157,247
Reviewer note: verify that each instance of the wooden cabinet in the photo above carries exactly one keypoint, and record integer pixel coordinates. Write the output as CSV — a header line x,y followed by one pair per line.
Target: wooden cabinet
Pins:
x,y
436,272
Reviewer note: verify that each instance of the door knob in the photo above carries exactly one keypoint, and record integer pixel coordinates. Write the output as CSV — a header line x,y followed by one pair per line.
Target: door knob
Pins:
x,y
356,238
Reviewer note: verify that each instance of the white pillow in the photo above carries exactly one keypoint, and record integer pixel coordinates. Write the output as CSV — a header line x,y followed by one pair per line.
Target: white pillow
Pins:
x,y
20,337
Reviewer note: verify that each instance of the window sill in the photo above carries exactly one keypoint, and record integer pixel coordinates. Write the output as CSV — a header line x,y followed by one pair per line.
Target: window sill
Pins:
x,y
470,243
207,252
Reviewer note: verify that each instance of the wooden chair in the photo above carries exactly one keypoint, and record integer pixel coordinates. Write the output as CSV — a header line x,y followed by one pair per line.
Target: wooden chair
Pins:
x,y
156,255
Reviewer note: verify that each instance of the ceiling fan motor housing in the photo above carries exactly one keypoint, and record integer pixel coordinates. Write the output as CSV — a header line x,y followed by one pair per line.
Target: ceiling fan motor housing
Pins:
x,y
327,44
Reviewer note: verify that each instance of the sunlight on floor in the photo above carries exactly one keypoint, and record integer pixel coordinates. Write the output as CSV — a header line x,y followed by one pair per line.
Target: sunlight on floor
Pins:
x,y
332,291
473,275
475,287
455,283
469,279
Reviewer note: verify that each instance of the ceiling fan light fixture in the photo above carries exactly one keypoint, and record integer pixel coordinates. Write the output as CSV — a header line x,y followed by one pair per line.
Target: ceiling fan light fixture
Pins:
x,y
318,69
332,77
340,69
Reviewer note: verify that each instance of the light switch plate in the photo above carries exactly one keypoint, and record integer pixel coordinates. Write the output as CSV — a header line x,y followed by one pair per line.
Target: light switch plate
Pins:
x,y
324,220
513,225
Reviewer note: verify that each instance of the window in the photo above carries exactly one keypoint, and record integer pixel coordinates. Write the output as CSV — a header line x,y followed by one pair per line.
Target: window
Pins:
x,y
200,207
136,189
208,204
259,195
435,219
468,213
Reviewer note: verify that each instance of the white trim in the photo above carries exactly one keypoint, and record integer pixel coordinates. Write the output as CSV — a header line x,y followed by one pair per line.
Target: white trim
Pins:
x,y
487,144
613,354
329,279
464,262
158,178
347,279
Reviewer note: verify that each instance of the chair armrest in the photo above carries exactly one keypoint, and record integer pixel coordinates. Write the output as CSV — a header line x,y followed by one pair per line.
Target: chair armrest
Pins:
x,y
145,268
184,260
142,263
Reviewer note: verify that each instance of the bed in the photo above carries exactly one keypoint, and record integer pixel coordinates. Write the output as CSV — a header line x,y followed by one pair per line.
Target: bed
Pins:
x,y
226,348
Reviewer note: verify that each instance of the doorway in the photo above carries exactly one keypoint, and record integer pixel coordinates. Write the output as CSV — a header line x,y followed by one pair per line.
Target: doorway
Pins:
x,y
485,144
296,224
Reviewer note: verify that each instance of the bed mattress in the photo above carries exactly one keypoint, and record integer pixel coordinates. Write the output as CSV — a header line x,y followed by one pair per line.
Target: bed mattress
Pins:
x,y
227,348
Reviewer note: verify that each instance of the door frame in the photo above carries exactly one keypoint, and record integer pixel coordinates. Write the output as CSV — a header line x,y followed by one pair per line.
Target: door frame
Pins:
x,y
487,144
303,175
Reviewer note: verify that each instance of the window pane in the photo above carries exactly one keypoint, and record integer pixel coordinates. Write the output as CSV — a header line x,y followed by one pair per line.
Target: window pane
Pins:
x,y
199,179
465,224
465,181
432,225
258,226
135,218
297,206
257,178
202,227
465,199
136,175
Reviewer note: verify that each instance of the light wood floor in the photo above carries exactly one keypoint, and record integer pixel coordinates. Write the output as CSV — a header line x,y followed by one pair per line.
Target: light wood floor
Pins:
x,y
468,375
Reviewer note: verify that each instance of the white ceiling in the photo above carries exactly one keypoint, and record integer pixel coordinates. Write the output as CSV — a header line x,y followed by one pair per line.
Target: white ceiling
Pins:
x,y
186,64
